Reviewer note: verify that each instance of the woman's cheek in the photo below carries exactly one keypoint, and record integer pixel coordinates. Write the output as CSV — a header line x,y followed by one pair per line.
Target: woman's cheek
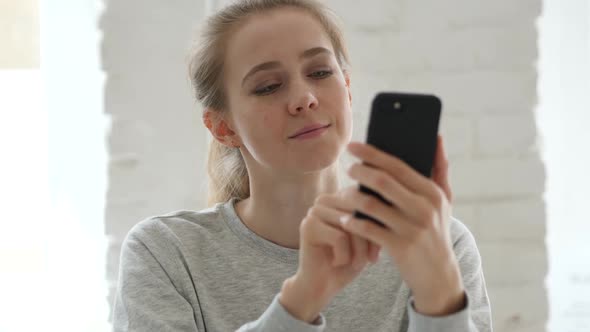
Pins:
x,y
345,114
268,127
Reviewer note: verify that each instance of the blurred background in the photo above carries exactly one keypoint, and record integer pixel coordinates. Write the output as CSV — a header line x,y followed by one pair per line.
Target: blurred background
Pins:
x,y
99,130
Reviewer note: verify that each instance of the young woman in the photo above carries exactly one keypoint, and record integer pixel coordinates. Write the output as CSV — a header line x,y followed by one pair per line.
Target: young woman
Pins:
x,y
272,254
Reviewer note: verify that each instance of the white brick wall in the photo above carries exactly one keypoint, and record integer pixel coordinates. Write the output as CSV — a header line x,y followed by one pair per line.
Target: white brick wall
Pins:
x,y
479,57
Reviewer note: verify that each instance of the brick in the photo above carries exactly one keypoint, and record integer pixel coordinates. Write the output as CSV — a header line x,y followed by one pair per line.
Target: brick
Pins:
x,y
151,104
511,48
518,307
367,15
502,48
113,257
503,262
496,13
374,52
425,14
508,48
480,92
506,135
457,133
160,35
365,86
156,184
466,214
360,126
497,178
127,139
122,47
152,11
510,220
121,214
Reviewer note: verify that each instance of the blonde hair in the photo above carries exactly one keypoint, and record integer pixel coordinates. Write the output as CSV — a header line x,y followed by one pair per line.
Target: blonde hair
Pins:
x,y
228,176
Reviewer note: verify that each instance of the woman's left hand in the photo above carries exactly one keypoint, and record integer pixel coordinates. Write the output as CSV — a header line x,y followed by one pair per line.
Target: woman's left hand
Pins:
x,y
416,232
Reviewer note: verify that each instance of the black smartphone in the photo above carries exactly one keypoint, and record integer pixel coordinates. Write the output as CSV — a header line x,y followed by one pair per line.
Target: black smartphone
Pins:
x,y
406,126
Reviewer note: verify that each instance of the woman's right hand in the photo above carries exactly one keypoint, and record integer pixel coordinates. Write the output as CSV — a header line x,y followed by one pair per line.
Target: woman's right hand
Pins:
x,y
329,257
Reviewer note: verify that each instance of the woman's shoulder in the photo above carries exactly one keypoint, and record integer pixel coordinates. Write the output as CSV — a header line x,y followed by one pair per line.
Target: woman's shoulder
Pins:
x,y
179,224
458,229
464,244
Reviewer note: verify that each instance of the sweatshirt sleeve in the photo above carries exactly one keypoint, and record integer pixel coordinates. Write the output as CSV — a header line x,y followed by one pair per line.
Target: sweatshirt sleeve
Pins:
x,y
277,318
151,285
146,298
476,316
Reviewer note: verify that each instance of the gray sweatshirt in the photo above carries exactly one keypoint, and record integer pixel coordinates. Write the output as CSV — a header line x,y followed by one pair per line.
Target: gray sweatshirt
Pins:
x,y
206,271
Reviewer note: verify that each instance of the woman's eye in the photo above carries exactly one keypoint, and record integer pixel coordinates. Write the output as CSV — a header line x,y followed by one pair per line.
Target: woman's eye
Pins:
x,y
267,89
321,74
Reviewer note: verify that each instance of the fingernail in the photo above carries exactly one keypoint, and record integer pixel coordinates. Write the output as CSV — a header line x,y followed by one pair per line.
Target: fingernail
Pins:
x,y
345,219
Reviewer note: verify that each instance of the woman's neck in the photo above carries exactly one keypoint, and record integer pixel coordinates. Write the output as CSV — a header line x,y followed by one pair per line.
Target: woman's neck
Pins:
x,y
275,209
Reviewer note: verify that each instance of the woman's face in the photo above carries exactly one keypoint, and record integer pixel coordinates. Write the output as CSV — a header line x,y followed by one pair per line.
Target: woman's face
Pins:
x,y
281,74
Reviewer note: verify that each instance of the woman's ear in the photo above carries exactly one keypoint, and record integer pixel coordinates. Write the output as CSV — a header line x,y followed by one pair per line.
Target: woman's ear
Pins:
x,y
347,80
219,128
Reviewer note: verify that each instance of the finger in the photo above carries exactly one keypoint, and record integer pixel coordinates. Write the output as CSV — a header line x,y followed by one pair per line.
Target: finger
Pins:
x,y
397,168
331,208
372,232
374,250
332,216
390,216
327,214
387,186
319,233
335,200
360,248
440,170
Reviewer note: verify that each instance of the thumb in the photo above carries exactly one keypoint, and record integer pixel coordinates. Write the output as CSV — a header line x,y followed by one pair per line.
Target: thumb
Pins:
x,y
440,170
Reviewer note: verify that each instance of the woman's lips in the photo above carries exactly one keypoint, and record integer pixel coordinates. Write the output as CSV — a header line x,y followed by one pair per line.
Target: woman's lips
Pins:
x,y
308,128
312,133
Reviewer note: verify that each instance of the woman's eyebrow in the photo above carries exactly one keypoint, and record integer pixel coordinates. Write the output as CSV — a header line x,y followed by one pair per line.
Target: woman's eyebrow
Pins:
x,y
314,51
262,66
274,64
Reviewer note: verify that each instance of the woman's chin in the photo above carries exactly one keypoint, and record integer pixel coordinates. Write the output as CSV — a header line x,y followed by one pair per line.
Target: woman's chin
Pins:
x,y
317,161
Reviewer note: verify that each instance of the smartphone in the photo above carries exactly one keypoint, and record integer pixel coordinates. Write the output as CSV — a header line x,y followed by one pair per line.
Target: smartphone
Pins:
x,y
406,126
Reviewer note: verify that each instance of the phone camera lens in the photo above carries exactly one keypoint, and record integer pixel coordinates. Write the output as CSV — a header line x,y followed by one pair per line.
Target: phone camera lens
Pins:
x,y
397,105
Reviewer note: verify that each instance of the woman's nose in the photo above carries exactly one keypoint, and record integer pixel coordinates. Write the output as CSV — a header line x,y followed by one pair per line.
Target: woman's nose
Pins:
x,y
303,99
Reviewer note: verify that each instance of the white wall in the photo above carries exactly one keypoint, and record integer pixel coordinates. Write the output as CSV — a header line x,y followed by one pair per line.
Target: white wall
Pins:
x,y
479,57
73,228
53,168
563,117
